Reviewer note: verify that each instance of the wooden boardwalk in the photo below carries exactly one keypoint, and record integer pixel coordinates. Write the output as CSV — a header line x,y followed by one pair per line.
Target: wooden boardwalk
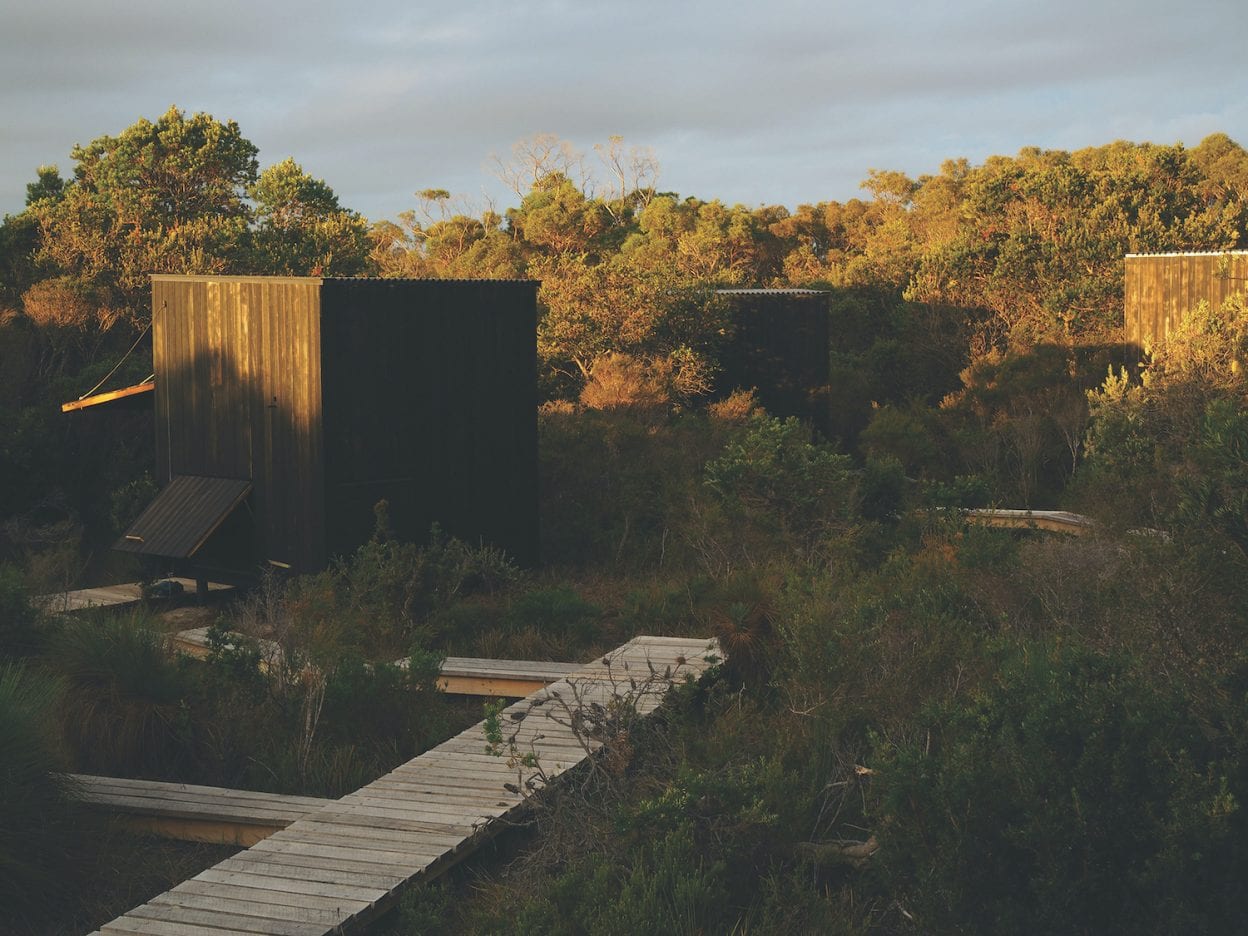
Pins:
x,y
339,867
196,813
110,596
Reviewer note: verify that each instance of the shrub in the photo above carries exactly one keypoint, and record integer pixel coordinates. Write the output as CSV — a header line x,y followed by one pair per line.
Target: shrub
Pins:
x,y
621,381
124,708
20,634
35,813
738,407
557,610
780,478
1069,796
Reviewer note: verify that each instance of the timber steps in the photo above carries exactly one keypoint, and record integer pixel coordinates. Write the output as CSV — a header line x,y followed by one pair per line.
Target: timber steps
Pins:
x,y
345,863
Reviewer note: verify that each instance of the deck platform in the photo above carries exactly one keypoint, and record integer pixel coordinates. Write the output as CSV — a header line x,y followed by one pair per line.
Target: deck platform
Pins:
x,y
1055,521
110,596
195,813
342,865
460,675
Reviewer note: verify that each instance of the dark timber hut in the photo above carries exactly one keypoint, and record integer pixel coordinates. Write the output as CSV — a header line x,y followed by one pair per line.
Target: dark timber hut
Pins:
x,y
780,345
287,407
1161,288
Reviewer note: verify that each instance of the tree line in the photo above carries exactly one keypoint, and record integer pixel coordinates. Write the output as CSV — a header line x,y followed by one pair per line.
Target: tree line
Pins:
x,y
1031,245
972,308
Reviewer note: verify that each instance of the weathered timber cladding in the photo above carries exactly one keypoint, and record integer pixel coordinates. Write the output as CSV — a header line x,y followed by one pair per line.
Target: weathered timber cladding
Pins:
x,y
780,346
1160,288
330,395
239,396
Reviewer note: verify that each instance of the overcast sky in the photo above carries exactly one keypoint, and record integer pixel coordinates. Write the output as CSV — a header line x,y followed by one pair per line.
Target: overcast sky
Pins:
x,y
783,102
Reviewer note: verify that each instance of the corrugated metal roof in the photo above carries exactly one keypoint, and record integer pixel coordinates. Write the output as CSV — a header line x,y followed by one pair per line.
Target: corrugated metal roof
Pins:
x,y
1192,253
222,278
183,516
771,292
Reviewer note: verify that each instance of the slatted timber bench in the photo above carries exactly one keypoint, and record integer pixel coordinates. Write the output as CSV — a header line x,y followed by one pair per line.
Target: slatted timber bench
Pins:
x,y
195,813
342,865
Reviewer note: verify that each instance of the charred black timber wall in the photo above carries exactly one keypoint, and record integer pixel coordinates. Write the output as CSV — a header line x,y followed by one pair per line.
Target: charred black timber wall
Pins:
x,y
1160,288
431,405
333,394
780,346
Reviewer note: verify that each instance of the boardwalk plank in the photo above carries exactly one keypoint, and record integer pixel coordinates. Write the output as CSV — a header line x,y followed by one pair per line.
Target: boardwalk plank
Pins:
x,y
293,884
262,894
220,912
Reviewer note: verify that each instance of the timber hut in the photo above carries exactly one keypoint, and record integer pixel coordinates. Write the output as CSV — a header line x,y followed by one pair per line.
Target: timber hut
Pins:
x,y
286,408
780,346
1162,288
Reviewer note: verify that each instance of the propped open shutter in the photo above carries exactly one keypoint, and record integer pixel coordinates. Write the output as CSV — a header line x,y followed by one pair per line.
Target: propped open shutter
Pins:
x,y
183,516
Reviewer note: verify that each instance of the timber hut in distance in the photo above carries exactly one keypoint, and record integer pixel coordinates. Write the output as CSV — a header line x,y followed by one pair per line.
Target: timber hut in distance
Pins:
x,y
780,346
286,408
1162,288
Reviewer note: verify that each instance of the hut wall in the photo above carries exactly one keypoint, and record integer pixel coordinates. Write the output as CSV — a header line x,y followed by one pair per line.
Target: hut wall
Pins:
x,y
1160,288
239,395
430,403
781,346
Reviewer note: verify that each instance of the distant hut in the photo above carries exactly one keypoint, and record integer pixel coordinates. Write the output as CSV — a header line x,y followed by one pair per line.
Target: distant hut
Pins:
x,y
1161,288
287,407
780,346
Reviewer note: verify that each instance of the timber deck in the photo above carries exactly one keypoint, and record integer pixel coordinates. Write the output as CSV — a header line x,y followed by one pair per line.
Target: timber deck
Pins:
x,y
110,596
459,676
342,865
1056,521
196,813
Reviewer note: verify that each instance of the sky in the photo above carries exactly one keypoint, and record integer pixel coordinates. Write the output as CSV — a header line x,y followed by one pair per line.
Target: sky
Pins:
x,y
787,102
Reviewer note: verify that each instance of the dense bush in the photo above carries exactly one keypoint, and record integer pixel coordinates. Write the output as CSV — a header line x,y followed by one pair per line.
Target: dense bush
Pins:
x,y
37,815
1068,796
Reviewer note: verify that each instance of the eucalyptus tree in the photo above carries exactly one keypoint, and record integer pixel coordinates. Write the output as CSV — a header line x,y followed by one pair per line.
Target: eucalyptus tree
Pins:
x,y
168,196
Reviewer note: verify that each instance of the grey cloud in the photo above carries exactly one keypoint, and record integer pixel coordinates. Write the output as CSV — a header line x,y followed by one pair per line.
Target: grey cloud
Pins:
x,y
789,103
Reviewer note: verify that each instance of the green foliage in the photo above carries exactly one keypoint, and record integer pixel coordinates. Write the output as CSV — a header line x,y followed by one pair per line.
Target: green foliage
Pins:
x,y
1070,796
775,471
558,610
20,631
36,814
382,597
159,197
300,228
124,706
1179,435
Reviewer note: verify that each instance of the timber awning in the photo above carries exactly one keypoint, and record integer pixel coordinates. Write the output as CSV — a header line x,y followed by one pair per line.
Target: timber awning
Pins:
x,y
183,516
111,396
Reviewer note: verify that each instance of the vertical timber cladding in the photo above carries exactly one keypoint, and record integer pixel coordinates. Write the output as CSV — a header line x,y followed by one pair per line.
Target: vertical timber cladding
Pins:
x,y
239,396
780,345
1161,288
431,404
